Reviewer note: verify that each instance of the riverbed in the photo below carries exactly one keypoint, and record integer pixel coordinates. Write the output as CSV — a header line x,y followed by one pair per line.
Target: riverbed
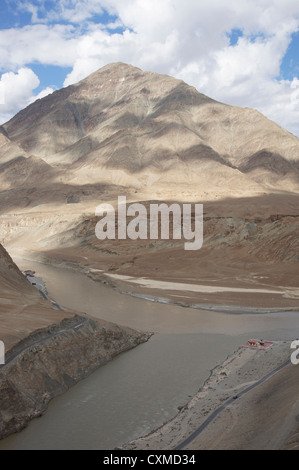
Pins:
x,y
142,388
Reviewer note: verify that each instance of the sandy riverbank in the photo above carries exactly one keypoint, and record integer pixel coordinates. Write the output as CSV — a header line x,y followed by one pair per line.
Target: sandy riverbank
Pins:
x,y
264,418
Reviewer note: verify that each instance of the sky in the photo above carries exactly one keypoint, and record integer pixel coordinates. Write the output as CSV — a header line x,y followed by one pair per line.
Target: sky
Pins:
x,y
239,52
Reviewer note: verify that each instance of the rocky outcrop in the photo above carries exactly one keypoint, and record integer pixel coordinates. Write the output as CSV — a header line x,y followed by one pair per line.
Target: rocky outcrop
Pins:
x,y
49,361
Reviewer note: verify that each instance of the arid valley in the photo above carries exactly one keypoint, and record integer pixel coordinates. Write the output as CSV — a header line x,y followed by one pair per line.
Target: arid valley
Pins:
x,y
136,342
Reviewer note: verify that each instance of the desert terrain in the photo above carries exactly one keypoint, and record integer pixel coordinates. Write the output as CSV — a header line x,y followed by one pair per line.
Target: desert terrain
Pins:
x,y
153,139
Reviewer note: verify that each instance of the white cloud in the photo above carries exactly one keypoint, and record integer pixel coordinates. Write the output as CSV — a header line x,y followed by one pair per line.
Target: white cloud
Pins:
x,y
54,45
16,92
74,11
188,40
281,104
17,87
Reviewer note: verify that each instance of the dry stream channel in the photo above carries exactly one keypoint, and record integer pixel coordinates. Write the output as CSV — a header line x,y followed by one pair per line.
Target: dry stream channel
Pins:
x,y
141,389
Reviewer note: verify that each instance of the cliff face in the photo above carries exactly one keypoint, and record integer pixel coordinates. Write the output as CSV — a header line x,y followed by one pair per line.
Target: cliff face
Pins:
x,y
51,360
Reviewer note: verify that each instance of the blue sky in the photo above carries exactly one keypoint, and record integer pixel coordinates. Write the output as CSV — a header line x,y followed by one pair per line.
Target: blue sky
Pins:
x,y
290,64
241,52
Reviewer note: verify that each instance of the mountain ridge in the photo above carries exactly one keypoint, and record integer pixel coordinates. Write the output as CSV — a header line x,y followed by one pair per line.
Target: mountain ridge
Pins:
x,y
143,130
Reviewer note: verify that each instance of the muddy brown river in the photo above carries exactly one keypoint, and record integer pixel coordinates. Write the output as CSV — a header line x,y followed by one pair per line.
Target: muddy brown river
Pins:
x,y
142,388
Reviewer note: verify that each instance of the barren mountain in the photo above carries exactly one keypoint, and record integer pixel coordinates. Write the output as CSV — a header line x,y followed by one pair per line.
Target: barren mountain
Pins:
x,y
150,132
8,149
152,138
122,131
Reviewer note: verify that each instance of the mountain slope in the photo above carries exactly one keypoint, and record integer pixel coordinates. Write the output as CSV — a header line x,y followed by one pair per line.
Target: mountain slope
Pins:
x,y
142,130
122,131
8,149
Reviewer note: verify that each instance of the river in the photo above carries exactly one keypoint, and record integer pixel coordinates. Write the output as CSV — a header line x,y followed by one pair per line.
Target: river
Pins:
x,y
142,388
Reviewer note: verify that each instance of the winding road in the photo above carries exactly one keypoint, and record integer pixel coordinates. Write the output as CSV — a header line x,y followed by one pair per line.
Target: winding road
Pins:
x,y
228,402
